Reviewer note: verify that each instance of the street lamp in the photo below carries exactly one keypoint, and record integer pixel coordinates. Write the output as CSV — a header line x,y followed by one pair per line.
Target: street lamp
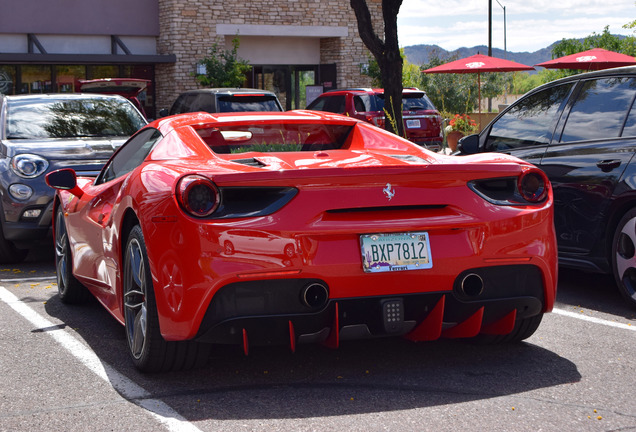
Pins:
x,y
504,11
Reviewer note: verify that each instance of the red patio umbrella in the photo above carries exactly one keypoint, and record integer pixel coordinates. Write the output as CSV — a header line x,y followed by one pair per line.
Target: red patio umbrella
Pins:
x,y
594,59
476,64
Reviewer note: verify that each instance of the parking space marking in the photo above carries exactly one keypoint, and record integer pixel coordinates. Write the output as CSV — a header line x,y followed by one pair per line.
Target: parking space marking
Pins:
x,y
129,389
592,319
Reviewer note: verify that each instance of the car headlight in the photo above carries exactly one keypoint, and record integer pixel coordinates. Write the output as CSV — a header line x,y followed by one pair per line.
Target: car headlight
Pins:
x,y
29,165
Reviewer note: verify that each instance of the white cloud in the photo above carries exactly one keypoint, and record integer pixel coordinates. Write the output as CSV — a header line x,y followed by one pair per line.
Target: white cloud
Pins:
x,y
529,25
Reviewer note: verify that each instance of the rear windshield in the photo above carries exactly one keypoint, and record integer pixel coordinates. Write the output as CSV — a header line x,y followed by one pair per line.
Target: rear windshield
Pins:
x,y
247,103
275,137
410,102
71,118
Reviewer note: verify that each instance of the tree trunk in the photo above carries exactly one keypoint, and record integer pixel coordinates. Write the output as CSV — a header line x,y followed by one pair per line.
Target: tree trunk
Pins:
x,y
387,54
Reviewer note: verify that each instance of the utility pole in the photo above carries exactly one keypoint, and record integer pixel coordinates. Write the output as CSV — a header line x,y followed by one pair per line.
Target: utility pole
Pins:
x,y
505,52
489,44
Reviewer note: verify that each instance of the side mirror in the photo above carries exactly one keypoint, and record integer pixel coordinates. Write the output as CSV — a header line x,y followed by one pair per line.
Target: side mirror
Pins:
x,y
163,112
468,145
64,179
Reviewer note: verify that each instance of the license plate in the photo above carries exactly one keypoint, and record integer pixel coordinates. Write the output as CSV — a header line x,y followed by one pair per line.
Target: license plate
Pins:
x,y
413,123
395,252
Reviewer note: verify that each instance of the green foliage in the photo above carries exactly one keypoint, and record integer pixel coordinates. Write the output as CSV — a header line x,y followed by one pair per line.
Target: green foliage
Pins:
x,y
410,72
451,93
223,67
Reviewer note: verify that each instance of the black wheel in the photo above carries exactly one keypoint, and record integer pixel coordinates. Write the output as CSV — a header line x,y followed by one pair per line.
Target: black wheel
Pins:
x,y
9,254
149,351
624,256
523,329
70,290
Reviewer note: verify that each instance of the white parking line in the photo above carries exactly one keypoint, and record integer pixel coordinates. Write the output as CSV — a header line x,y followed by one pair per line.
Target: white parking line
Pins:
x,y
592,319
129,389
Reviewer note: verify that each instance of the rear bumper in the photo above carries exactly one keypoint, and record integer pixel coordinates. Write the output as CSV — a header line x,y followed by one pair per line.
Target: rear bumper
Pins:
x,y
272,312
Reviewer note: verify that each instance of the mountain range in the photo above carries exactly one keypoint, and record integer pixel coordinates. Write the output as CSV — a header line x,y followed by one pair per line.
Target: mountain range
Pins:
x,y
422,54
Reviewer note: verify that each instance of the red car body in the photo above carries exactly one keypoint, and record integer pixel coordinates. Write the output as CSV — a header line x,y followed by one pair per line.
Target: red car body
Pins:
x,y
329,213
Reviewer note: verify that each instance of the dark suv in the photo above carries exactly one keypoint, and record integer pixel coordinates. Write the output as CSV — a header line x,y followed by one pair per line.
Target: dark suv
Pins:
x,y
581,131
45,132
422,122
215,100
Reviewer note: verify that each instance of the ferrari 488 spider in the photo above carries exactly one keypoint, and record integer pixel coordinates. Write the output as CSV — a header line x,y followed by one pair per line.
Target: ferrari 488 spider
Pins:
x,y
302,227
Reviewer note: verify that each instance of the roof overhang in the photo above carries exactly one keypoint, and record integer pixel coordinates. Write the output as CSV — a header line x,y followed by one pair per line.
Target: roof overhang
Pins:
x,y
86,58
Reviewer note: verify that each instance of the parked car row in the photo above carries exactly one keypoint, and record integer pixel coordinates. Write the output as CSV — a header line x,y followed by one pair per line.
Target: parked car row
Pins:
x,y
581,131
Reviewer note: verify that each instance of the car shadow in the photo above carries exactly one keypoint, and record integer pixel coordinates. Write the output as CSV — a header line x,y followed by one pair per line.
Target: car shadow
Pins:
x,y
360,377
594,291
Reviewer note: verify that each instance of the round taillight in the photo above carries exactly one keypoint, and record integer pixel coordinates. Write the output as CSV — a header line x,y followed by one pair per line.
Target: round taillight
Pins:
x,y
198,195
533,186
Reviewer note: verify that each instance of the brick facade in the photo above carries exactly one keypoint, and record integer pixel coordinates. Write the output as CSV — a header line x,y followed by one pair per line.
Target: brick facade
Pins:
x,y
188,30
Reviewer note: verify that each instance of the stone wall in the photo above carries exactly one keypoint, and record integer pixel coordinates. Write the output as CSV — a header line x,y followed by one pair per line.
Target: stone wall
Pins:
x,y
188,30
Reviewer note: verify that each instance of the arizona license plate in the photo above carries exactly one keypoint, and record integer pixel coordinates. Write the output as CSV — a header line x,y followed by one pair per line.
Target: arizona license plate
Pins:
x,y
395,252
413,123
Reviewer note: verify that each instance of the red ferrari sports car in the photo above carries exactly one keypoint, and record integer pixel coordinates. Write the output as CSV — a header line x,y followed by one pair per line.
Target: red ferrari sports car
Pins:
x,y
302,227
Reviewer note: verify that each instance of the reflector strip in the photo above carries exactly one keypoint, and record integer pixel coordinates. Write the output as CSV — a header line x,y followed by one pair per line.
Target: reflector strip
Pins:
x,y
268,274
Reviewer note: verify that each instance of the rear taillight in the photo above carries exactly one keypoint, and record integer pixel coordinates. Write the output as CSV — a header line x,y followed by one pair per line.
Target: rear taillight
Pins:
x,y
378,121
530,187
198,195
533,186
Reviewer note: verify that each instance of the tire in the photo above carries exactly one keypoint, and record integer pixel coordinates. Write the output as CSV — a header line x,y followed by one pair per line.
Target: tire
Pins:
x,y
9,254
624,256
523,329
149,351
70,290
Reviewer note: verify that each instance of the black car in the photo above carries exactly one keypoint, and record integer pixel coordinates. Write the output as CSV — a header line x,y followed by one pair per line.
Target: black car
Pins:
x,y
45,132
581,131
215,100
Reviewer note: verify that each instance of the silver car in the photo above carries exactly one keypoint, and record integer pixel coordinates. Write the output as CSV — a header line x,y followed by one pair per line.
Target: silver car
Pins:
x,y
45,132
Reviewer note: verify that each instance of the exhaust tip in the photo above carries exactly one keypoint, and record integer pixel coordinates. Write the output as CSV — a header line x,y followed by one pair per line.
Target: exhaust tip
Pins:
x,y
472,285
314,295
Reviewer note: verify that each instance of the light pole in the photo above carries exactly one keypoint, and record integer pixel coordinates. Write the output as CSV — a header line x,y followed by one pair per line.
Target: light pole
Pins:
x,y
504,10
505,52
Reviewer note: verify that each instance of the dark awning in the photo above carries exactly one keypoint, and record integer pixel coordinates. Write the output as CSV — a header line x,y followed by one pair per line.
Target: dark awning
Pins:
x,y
85,58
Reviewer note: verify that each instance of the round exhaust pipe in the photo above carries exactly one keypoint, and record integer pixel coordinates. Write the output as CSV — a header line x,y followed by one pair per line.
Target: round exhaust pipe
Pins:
x,y
314,295
472,285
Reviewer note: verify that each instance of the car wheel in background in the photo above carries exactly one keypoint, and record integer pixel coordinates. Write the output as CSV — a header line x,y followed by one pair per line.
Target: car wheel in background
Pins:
x,y
624,256
70,290
9,254
150,352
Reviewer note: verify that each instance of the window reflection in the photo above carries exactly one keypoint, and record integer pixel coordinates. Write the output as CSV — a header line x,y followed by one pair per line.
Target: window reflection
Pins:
x,y
600,109
530,121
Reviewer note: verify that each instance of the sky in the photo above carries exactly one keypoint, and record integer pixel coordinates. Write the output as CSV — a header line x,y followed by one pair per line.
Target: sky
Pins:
x,y
530,24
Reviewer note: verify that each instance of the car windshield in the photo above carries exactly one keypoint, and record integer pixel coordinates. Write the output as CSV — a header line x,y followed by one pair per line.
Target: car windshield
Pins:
x,y
71,118
240,103
275,137
410,102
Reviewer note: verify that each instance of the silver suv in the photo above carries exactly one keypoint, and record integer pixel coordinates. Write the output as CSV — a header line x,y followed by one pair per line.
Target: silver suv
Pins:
x,y
45,132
